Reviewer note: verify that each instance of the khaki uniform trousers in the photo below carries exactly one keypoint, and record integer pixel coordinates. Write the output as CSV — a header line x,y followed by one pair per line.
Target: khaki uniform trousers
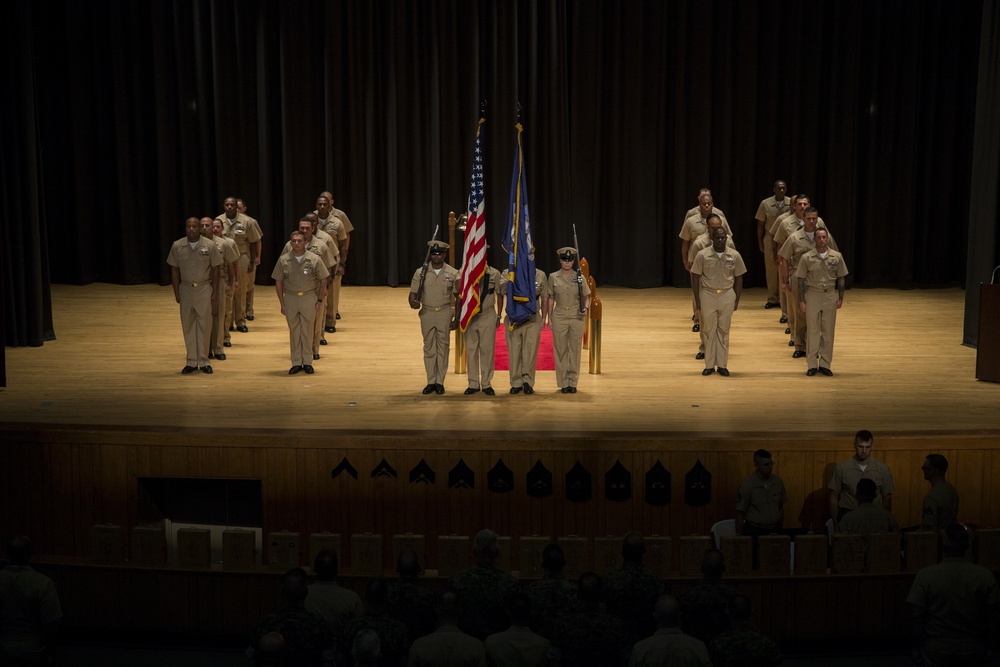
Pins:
x,y
567,341
196,321
772,273
481,347
821,320
522,350
434,323
318,324
796,319
300,313
717,315
218,333
333,299
251,279
238,315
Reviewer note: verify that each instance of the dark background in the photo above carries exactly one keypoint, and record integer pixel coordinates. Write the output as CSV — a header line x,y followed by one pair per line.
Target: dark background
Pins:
x,y
119,119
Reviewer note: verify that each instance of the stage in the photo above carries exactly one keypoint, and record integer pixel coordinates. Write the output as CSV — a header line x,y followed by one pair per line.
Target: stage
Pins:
x,y
899,368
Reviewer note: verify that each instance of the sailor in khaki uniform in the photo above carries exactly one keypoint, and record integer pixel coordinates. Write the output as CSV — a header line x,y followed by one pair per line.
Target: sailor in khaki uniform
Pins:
x,y
797,239
194,273
437,315
307,227
252,277
699,244
696,224
523,339
481,333
335,222
245,232
301,280
227,283
767,212
717,281
820,277
566,313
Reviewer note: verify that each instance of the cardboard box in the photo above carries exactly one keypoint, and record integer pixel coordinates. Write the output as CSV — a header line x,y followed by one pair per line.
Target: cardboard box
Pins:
x,y
848,553
811,554
774,554
659,555
366,554
454,554
693,548
283,550
194,548
530,556
738,552
577,552
883,553
107,544
149,546
239,549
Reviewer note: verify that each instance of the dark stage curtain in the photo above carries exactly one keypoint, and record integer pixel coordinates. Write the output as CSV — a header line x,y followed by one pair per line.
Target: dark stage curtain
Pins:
x,y
129,117
984,190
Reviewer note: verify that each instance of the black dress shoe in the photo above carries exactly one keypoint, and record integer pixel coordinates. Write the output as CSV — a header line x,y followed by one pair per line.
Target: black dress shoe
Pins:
x,y
696,328
220,357
308,369
315,356
572,390
489,391
565,390
338,316
330,329
232,328
811,372
294,369
708,371
783,320
187,370
515,390
528,389
723,371
798,354
211,355
227,344
322,341
791,343
207,370
250,317
825,371
439,389
788,331
428,389
769,305
700,355
243,329
470,391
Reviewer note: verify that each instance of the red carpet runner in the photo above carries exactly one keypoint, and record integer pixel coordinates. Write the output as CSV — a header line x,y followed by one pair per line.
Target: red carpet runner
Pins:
x,y
546,357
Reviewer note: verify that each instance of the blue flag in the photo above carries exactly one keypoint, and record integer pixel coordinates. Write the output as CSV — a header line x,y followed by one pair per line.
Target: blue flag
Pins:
x,y
522,303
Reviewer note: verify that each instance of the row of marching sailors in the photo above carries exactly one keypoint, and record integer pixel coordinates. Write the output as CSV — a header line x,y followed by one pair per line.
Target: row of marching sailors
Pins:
x,y
797,247
562,301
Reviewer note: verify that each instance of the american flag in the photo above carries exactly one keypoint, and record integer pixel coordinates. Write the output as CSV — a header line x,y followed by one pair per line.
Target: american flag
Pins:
x,y
474,257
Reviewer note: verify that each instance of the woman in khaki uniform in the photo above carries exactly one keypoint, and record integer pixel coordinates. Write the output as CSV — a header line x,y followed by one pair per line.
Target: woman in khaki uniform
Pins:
x,y
566,315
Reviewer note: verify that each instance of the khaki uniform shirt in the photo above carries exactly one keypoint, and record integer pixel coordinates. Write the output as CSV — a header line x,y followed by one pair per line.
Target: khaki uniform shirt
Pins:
x,y
300,275
797,244
438,287
760,500
227,248
848,473
695,226
317,247
195,265
770,209
820,272
718,272
242,229
703,242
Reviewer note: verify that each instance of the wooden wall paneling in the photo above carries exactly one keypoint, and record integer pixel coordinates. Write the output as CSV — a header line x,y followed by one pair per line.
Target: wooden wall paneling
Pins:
x,y
280,491
85,493
794,469
311,499
972,471
173,461
57,530
113,477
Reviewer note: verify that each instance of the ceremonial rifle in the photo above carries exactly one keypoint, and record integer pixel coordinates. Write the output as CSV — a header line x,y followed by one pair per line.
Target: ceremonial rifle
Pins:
x,y
423,269
579,273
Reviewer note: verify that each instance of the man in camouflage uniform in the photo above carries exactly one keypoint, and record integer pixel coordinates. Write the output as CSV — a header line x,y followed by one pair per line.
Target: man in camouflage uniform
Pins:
x,y
293,636
336,604
409,601
704,606
394,641
740,646
669,645
590,636
447,645
631,589
552,596
483,590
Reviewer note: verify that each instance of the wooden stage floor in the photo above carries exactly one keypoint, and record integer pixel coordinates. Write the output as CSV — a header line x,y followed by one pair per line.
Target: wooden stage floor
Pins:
x,y
899,367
